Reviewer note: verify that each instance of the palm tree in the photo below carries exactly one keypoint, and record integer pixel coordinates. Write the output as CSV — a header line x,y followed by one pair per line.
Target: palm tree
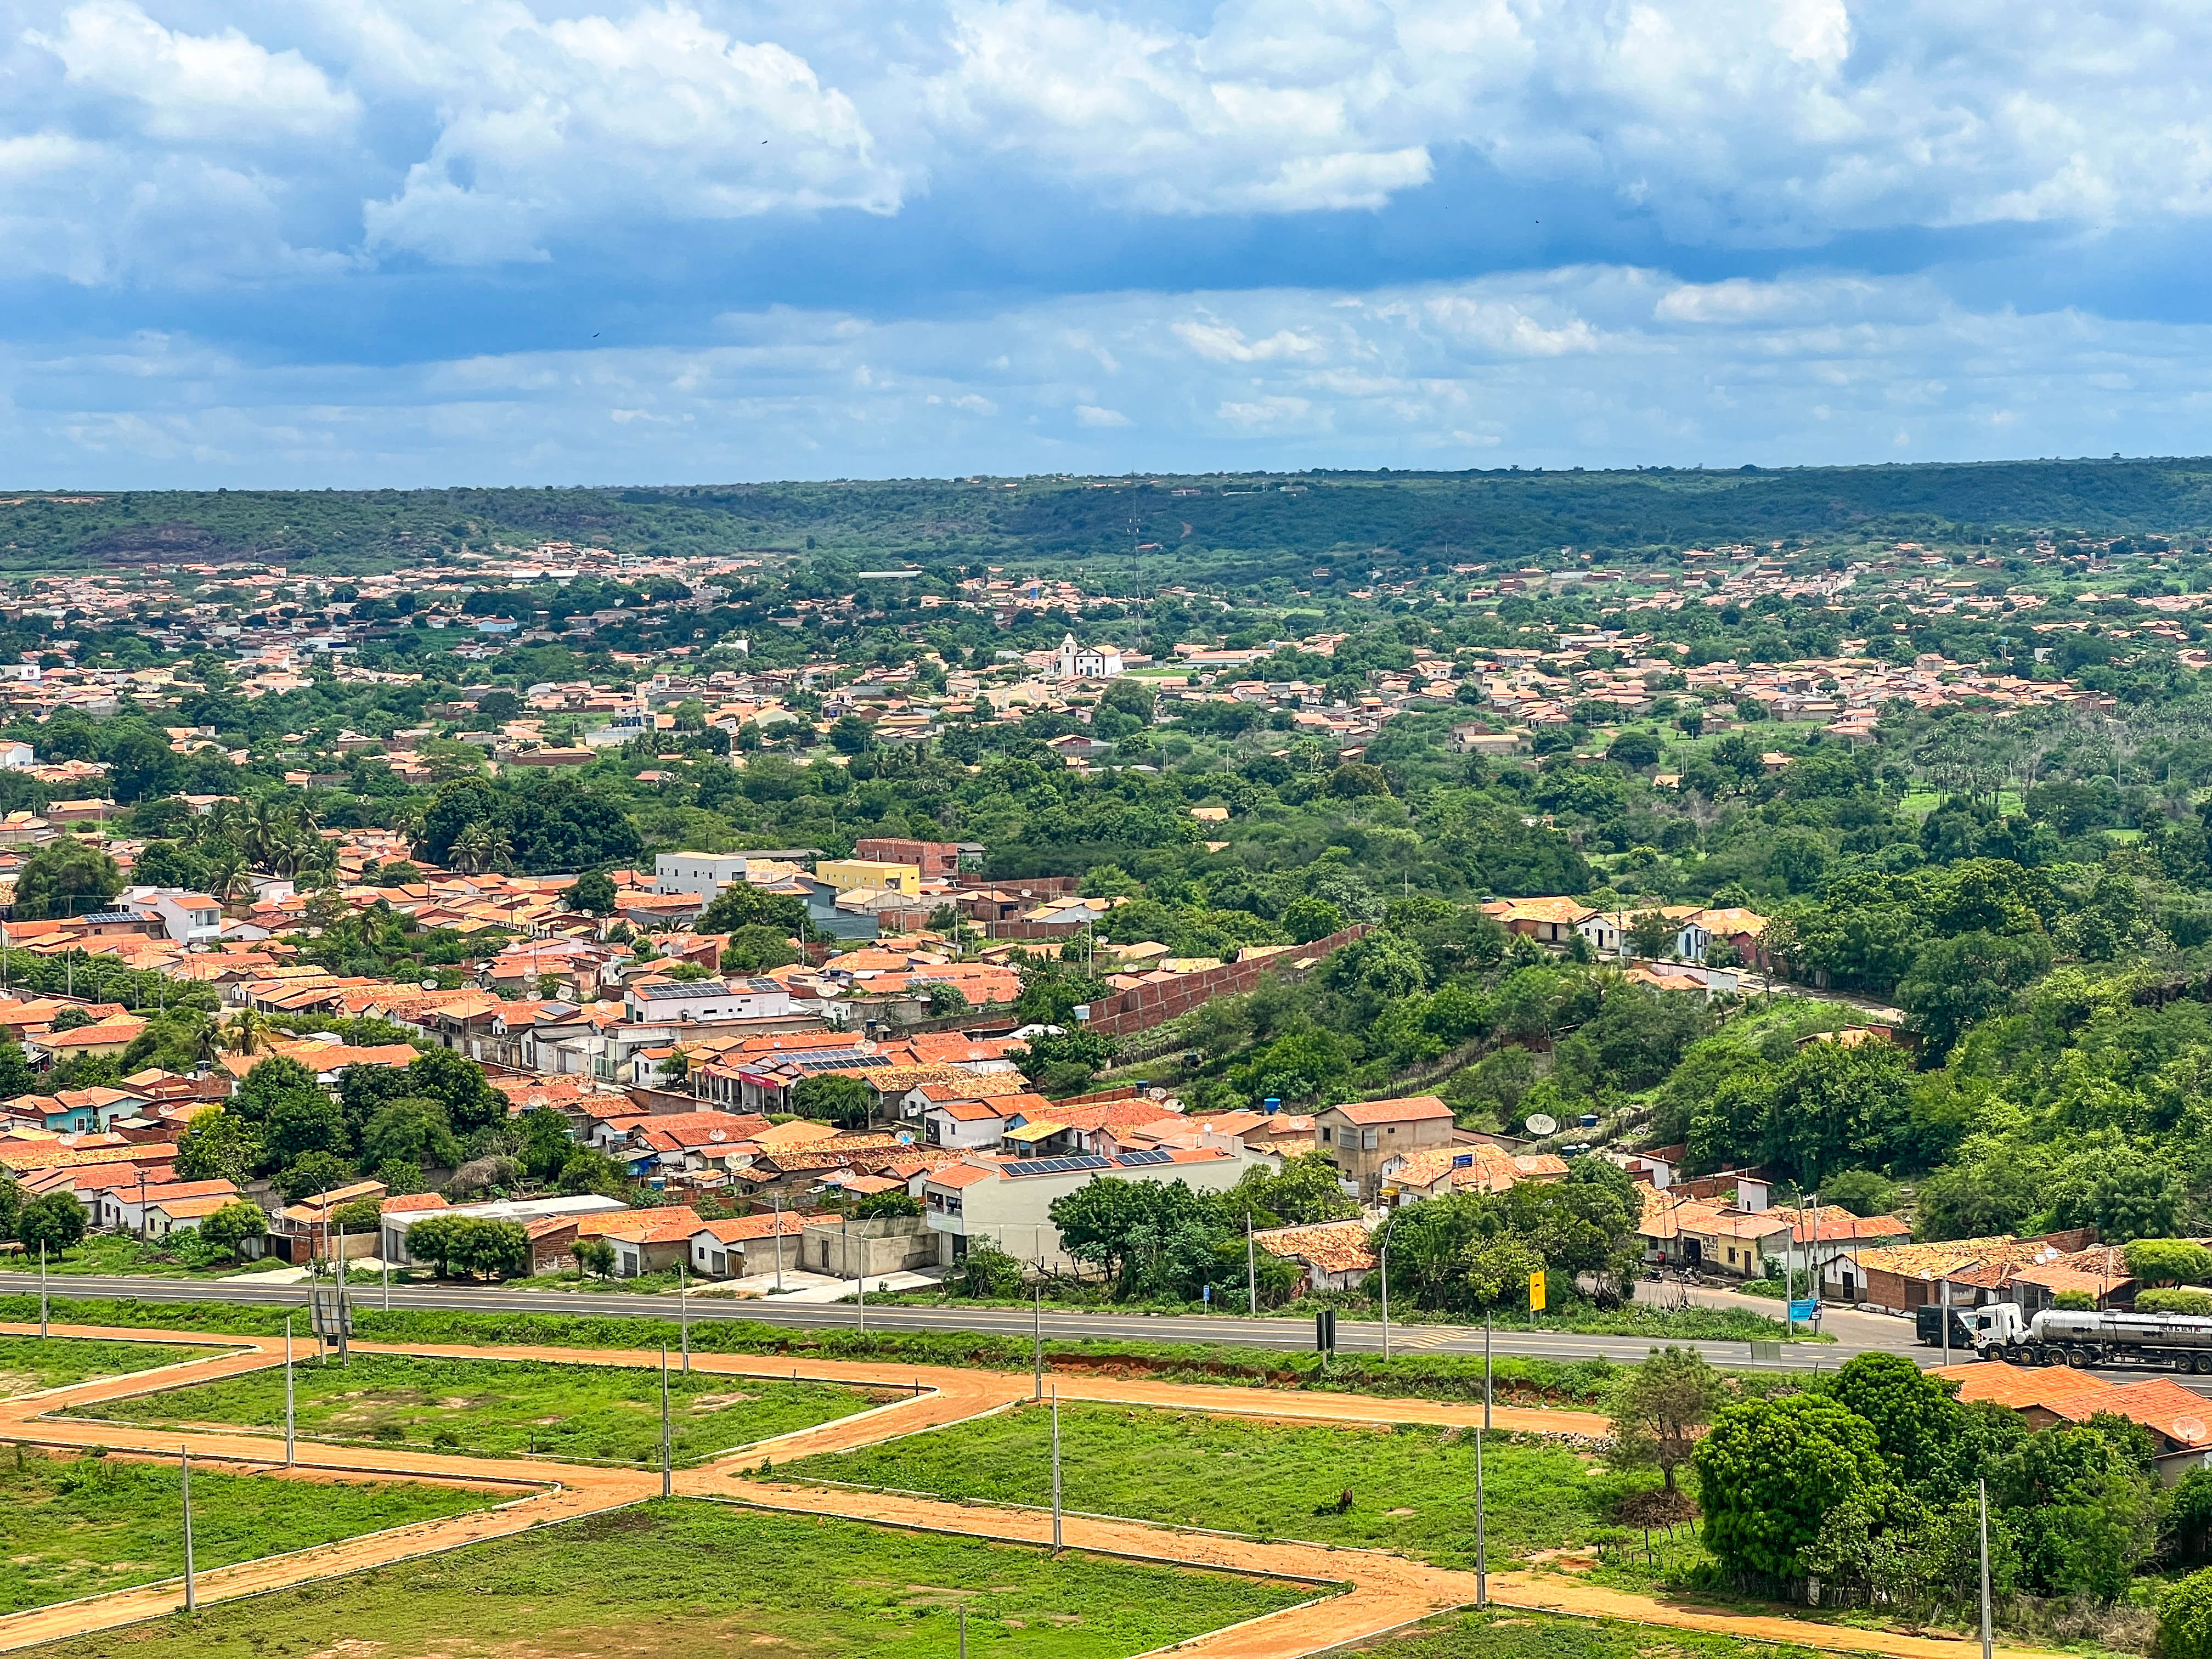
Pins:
x,y
249,1031
226,877
473,850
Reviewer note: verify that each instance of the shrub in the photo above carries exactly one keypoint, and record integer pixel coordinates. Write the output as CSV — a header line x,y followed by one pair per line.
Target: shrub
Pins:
x,y
2074,1302
2184,1618
2169,1261
2193,1301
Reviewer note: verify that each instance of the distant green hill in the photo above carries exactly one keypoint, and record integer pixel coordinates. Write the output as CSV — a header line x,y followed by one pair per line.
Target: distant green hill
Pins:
x,y
1224,526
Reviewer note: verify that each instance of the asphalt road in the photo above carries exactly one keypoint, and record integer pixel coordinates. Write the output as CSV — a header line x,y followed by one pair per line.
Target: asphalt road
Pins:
x,y
1365,1336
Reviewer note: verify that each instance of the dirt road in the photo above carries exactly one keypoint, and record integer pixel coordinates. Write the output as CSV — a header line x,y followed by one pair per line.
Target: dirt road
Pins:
x,y
1359,1593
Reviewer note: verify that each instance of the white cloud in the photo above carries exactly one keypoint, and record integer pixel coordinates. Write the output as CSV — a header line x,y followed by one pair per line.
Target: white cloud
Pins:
x,y
192,88
660,116
1091,416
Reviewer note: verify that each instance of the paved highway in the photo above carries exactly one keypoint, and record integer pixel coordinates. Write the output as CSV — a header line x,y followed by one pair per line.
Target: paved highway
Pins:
x,y
1365,1336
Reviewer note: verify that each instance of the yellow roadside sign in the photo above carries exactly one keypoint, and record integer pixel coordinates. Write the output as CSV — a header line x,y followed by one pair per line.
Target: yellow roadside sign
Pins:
x,y
1536,1293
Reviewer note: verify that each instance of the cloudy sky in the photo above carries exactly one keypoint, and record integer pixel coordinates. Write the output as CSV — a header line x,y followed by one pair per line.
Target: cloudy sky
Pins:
x,y
360,242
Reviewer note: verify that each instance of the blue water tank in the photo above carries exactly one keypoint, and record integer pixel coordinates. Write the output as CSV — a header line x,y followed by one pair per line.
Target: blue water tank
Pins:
x,y
1271,1104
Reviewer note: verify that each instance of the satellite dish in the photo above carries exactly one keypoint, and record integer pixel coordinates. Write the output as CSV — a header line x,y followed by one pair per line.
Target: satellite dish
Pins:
x,y
430,984
1541,1123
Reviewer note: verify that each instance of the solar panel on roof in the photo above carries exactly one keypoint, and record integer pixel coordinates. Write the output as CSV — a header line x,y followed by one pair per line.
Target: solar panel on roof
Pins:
x,y
1154,1156
1033,1166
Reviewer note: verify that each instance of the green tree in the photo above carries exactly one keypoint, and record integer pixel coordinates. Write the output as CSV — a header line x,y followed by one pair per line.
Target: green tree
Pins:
x,y
312,1174
1768,1473
757,947
217,1145
56,1221
885,1205
1650,935
457,1083
11,1207
594,1256
66,877
593,893
1957,983
413,1129
2169,1261
835,1098
300,1124
587,1170
742,905
273,1082
1657,1408
546,1143
2082,1516
1917,1420
233,1226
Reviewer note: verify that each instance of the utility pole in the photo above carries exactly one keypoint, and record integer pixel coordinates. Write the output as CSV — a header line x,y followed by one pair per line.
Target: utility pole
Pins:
x,y
1251,1271
1943,1303
1384,1252
667,1475
185,1472
42,1287
291,1455
683,1313
1036,1347
1485,1389
777,1197
1055,1468
1982,1487
1481,1553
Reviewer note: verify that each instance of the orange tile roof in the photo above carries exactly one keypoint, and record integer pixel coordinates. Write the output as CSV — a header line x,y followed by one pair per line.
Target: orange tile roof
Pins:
x,y
1333,1247
1410,1108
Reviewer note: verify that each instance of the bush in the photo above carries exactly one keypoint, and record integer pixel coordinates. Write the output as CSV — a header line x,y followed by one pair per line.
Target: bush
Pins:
x,y
2197,1304
2074,1302
2184,1618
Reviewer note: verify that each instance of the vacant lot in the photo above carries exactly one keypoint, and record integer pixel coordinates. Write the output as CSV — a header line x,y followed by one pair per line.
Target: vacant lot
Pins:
x,y
75,1526
687,1577
1497,1634
499,1406
28,1363
1412,1490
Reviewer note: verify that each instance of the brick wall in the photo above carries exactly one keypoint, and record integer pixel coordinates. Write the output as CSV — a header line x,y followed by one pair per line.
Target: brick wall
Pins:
x,y
1147,1006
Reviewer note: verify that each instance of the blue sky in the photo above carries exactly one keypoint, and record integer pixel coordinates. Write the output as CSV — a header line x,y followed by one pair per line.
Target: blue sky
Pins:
x,y
368,242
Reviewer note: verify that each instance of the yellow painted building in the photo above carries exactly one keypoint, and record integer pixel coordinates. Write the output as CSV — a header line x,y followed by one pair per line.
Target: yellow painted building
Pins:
x,y
846,874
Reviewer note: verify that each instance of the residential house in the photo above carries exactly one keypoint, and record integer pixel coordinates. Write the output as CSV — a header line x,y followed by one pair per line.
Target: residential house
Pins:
x,y
1330,1256
1009,1200
1363,1136
746,1245
660,1001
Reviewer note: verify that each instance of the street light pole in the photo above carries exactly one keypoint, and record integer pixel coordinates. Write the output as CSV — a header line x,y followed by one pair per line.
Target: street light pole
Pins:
x,y
1251,1271
42,1287
290,1450
684,1313
778,1198
1485,1379
1036,1347
185,1472
1055,1468
1384,1252
1481,1554
667,1476
1982,1487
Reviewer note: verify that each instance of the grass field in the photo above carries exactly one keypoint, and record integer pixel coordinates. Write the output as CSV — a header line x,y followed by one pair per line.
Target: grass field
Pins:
x,y
499,1407
1412,1489
113,1253
1497,1634
687,1577
28,1363
77,1527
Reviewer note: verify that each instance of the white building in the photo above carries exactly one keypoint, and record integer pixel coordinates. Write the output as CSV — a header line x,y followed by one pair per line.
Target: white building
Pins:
x,y
1009,1200
393,1246
704,874
709,999
1088,662
17,756
189,918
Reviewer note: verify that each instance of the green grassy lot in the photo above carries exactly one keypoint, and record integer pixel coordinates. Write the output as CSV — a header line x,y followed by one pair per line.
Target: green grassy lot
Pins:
x,y
117,1253
77,1527
1500,1634
1412,1489
28,1363
676,1579
499,1407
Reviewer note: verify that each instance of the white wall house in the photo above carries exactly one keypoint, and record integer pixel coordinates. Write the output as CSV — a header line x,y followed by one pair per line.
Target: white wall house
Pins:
x,y
709,998
16,756
1009,1200
704,874
189,918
